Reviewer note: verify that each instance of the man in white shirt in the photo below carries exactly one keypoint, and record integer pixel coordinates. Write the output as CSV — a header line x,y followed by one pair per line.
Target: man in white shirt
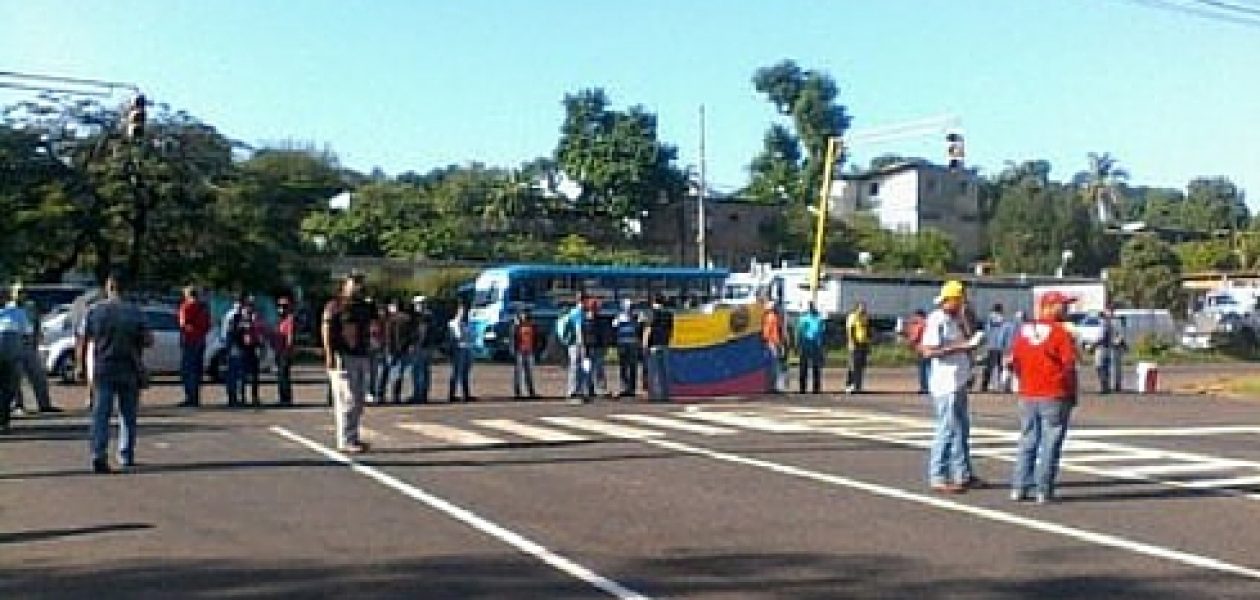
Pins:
x,y
945,342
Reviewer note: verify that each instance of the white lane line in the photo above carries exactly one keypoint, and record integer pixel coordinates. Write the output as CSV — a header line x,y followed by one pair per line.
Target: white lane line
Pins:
x,y
1093,537
1167,431
533,432
1231,482
603,428
1113,456
668,423
1143,470
470,518
743,421
451,435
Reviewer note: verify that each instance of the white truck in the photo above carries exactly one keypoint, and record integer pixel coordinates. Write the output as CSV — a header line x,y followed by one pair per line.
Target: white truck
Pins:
x,y
892,297
1227,315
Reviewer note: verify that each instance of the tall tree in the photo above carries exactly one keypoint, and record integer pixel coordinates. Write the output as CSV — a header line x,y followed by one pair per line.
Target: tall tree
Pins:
x,y
1101,184
810,99
616,157
1149,275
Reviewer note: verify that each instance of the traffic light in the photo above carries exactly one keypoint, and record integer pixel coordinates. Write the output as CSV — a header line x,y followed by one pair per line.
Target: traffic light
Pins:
x,y
136,117
955,150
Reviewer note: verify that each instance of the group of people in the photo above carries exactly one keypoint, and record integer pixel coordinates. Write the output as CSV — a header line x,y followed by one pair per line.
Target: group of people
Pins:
x,y
246,336
19,357
639,337
808,336
1041,354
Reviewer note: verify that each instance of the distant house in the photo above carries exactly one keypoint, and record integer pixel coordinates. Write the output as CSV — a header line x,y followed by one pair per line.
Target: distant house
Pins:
x,y
911,197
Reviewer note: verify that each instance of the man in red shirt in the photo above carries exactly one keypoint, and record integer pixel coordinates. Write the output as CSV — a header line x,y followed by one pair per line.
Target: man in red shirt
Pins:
x,y
283,342
194,326
1043,356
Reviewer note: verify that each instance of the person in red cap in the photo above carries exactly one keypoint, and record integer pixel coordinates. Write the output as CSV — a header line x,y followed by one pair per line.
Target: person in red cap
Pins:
x,y
1043,356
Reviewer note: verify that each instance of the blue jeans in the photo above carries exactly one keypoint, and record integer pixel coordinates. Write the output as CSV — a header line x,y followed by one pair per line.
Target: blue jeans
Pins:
x,y
658,373
192,357
523,374
1043,426
421,374
574,381
811,364
461,369
924,368
105,392
390,377
235,378
950,457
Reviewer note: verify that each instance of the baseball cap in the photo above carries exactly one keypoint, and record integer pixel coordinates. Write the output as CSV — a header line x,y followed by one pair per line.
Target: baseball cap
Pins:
x,y
952,289
417,299
1056,297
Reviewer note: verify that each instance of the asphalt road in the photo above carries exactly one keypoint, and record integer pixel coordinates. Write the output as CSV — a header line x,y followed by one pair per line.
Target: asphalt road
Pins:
x,y
791,496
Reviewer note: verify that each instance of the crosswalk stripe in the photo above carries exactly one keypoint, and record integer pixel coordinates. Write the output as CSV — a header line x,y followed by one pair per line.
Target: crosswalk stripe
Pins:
x,y
450,435
1178,468
1222,483
1113,456
603,427
744,421
534,432
669,423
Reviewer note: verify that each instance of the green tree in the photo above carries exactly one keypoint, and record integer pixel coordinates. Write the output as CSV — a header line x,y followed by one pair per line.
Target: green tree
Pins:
x,y
1035,222
1149,275
1209,255
1101,184
616,157
778,170
809,98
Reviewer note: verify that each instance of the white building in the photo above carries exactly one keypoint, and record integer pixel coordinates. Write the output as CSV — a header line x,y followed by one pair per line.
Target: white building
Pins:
x,y
911,197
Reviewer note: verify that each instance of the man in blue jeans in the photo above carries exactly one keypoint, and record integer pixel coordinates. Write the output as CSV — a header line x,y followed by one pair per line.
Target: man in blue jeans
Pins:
x,y
117,334
428,336
945,342
1044,358
656,337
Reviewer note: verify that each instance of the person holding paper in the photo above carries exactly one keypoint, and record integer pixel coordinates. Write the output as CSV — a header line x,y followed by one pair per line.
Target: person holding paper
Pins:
x,y
945,343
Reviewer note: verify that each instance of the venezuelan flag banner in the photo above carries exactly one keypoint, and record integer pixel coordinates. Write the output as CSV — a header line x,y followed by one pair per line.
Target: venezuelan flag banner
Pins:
x,y
719,353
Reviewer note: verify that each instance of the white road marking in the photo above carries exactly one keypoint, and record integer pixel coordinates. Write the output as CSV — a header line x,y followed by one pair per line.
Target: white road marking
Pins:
x,y
669,423
1181,468
472,519
1093,537
1166,431
745,421
533,432
1113,456
451,435
604,428
1078,454
1232,482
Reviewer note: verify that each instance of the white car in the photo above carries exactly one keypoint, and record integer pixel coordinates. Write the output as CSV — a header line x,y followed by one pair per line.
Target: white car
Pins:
x,y
58,352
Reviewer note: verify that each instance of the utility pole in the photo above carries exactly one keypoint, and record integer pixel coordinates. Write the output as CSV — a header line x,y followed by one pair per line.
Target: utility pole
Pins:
x,y
702,223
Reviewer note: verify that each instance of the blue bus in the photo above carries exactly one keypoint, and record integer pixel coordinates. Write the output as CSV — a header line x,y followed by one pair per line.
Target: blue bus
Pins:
x,y
547,290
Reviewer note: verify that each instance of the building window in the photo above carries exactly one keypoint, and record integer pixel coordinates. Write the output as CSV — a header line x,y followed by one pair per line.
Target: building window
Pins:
x,y
873,189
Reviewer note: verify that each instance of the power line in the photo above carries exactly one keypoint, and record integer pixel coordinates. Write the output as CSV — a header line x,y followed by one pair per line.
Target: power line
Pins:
x,y
69,80
1249,10
1197,11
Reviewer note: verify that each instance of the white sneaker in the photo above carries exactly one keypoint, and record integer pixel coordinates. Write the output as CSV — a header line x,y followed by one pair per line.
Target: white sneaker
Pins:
x,y
849,389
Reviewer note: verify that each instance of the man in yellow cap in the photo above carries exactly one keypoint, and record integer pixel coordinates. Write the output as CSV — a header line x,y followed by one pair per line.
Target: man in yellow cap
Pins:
x,y
945,343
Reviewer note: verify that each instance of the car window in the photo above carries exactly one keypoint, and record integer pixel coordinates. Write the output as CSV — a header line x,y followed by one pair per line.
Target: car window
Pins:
x,y
161,321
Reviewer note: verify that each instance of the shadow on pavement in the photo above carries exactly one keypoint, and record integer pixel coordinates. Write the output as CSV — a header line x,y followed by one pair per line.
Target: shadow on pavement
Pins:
x,y
795,576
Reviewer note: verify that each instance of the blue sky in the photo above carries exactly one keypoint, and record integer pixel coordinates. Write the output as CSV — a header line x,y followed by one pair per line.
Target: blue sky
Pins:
x,y
412,85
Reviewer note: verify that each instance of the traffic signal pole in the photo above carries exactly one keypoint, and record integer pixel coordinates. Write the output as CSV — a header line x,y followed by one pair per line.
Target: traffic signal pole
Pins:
x,y
835,150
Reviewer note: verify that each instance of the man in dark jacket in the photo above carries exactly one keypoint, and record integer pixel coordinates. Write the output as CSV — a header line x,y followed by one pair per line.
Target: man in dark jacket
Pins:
x,y
400,341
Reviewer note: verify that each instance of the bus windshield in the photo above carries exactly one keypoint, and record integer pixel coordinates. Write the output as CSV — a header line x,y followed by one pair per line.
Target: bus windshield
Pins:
x,y
485,297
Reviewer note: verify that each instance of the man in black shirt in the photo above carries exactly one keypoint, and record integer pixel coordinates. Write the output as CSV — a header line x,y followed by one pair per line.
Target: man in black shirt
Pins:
x,y
347,325
116,332
656,336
